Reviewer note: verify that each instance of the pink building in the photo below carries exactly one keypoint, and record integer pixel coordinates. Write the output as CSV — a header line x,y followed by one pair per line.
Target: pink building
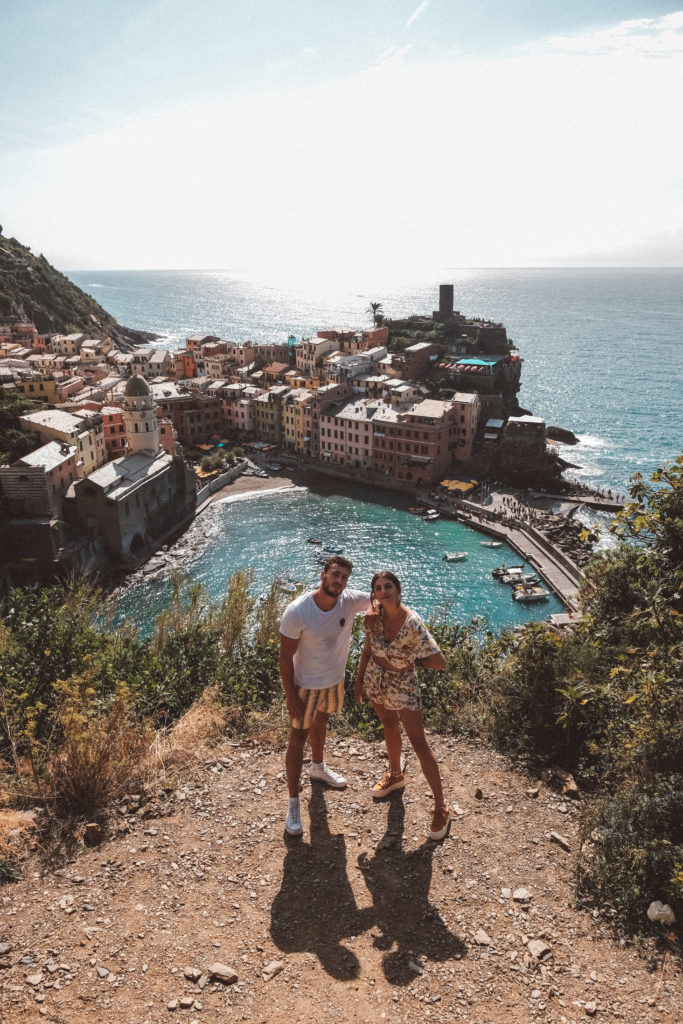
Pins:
x,y
419,442
346,433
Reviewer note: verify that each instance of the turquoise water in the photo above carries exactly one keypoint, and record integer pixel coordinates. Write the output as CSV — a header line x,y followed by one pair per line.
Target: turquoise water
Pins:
x,y
266,531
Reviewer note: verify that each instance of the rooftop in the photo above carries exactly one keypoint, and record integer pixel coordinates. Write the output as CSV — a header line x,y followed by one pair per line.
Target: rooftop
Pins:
x,y
120,477
49,456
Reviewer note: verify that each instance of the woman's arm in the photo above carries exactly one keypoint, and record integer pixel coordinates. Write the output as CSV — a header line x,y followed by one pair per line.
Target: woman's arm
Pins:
x,y
436,661
362,665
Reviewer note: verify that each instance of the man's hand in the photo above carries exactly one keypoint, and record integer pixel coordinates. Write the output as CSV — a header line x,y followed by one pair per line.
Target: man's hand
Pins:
x,y
295,705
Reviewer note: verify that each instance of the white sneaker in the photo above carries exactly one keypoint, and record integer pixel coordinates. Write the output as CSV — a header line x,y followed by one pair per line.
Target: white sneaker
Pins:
x,y
321,773
293,821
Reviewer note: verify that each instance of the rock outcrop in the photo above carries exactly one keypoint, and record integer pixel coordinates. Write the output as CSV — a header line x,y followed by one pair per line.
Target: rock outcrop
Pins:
x,y
32,289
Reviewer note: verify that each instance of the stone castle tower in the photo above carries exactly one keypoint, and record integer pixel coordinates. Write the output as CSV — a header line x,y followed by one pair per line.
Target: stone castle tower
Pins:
x,y
140,417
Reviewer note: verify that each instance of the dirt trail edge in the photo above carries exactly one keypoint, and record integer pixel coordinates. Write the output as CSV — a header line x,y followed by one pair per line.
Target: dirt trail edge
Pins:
x,y
361,919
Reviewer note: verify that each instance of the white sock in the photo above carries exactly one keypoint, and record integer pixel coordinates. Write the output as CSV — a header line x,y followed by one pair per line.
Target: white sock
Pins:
x,y
294,801
317,764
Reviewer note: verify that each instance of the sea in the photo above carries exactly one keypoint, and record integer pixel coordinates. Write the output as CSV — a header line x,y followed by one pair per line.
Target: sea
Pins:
x,y
602,357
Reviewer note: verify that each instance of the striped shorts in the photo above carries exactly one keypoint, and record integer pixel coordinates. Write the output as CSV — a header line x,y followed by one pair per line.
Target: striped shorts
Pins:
x,y
328,700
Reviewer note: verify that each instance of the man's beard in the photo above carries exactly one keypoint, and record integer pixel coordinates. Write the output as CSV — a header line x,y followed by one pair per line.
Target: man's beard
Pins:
x,y
331,593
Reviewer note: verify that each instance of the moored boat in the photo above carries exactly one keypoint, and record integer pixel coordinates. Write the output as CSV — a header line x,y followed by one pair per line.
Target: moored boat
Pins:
x,y
491,543
514,578
430,515
313,540
454,556
528,594
334,551
504,569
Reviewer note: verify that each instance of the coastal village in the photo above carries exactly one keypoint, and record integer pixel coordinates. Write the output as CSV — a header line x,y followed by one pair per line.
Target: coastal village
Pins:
x,y
123,436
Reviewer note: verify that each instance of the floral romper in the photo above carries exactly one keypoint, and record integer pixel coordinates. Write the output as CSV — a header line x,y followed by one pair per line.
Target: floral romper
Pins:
x,y
399,689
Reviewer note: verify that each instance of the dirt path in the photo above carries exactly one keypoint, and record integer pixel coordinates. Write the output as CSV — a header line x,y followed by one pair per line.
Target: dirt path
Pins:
x,y
369,921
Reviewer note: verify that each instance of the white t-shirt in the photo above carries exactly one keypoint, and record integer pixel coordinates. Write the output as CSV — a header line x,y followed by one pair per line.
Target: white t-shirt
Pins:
x,y
324,637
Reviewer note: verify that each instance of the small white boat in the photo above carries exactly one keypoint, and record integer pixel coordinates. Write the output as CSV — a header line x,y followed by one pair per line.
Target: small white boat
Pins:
x,y
515,578
504,569
491,543
313,540
334,551
529,594
287,587
430,516
454,556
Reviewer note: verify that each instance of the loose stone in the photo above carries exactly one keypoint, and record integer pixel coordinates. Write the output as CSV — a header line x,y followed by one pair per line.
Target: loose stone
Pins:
x,y
539,949
562,841
273,968
223,973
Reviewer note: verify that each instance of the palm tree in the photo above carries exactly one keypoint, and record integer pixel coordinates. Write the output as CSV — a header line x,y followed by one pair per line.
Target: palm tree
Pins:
x,y
376,314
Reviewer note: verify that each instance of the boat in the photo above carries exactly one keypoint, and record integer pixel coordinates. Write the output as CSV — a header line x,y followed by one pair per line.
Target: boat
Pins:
x,y
454,556
418,510
526,593
334,551
430,515
515,578
491,543
504,569
288,587
313,540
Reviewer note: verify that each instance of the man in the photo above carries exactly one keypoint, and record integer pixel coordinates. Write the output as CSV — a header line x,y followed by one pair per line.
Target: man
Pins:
x,y
315,633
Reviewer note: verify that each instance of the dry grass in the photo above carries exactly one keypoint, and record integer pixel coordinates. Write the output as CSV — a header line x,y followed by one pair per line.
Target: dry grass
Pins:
x,y
100,759
15,828
271,725
194,736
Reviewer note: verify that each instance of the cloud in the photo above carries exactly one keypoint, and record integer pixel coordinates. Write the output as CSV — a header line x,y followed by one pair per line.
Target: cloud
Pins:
x,y
420,9
646,37
478,162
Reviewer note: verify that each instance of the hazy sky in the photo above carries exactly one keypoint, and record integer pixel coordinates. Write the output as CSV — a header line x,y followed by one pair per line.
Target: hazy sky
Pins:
x,y
275,134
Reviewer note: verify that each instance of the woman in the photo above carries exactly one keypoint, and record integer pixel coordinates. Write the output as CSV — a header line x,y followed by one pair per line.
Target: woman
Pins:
x,y
386,674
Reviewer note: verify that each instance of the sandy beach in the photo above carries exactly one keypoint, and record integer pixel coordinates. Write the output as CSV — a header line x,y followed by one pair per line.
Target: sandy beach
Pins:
x,y
289,476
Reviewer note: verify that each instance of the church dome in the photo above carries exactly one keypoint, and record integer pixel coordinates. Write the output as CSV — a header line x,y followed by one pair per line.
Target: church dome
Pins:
x,y
137,387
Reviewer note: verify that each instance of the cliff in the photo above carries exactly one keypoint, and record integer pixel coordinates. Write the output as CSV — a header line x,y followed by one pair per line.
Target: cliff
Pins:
x,y
32,289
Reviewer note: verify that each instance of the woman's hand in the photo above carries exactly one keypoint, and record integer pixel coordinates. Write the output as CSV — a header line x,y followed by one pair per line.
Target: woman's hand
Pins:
x,y
358,689
373,618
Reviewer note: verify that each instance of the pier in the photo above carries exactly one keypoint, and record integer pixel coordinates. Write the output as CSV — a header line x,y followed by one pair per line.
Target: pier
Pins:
x,y
560,573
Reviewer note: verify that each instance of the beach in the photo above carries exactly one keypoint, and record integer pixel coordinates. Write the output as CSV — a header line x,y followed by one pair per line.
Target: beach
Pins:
x,y
288,476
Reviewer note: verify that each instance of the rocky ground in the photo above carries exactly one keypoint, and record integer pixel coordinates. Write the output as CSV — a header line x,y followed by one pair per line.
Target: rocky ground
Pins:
x,y
360,919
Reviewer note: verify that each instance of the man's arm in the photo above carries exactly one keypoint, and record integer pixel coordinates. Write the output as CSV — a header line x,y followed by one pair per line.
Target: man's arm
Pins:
x,y
288,646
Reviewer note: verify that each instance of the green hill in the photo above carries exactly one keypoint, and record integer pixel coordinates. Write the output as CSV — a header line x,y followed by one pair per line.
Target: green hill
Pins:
x,y
31,288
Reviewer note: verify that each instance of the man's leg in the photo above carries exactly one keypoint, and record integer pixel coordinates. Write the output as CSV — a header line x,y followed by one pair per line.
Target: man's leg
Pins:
x,y
318,735
294,758
319,770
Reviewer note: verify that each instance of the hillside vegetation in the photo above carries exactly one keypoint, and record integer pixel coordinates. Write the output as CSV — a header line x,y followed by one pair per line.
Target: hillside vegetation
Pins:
x,y
82,705
31,289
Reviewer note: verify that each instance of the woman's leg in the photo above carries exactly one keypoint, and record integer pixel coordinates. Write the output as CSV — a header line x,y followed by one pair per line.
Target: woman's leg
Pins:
x,y
392,735
414,727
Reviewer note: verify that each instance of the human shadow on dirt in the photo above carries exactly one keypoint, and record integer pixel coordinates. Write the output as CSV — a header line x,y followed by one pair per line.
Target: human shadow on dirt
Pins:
x,y
315,908
405,921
